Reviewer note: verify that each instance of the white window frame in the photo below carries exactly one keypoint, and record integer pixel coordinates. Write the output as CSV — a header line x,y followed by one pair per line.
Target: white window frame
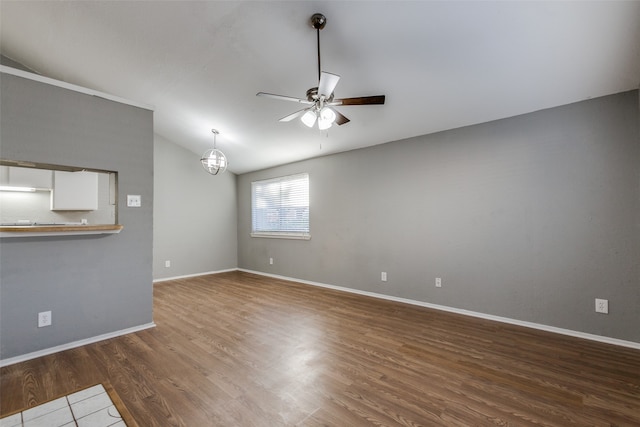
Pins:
x,y
256,231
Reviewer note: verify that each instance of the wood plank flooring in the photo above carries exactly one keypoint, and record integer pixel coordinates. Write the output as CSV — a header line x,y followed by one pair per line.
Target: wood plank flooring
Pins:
x,y
236,349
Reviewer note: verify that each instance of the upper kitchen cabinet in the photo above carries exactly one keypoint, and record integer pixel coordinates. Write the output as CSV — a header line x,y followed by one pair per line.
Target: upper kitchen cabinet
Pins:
x,y
74,191
25,177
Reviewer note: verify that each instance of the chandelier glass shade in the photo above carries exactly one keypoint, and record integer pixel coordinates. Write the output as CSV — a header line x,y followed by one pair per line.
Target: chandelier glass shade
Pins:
x,y
213,160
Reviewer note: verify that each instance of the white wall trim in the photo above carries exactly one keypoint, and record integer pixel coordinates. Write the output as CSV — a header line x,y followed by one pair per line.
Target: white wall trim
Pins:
x,y
75,88
164,279
74,344
569,332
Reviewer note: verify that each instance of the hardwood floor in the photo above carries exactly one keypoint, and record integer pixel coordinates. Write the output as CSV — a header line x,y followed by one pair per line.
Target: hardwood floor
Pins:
x,y
236,349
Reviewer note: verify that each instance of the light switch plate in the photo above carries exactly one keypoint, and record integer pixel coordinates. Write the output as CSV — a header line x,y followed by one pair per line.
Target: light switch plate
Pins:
x,y
134,201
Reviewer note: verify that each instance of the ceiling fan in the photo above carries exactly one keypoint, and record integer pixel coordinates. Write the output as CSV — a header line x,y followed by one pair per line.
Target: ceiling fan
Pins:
x,y
321,99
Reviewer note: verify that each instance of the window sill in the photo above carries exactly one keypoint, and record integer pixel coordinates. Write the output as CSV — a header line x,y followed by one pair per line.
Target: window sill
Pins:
x,y
292,236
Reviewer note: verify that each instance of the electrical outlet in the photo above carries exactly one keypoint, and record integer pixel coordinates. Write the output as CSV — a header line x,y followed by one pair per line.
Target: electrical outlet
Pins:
x,y
602,306
438,282
270,261
167,263
44,319
383,276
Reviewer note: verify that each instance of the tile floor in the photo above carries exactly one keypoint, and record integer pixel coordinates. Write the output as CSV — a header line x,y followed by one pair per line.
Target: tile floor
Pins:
x,y
91,407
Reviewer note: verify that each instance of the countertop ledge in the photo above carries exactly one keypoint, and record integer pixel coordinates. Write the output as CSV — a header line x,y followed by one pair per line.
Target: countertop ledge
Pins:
x,y
58,230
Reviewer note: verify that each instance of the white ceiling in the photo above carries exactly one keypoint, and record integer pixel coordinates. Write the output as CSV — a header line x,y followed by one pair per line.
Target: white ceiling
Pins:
x,y
441,64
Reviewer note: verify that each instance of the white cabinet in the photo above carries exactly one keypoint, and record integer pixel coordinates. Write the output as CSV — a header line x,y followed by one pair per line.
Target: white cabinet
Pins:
x,y
4,175
25,177
74,191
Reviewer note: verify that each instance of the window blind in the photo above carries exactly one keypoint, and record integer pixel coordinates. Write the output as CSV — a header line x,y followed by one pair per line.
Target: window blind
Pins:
x,y
280,207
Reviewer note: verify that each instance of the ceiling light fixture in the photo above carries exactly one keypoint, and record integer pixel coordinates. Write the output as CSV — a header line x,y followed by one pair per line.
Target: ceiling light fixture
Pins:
x,y
23,189
213,160
324,115
309,118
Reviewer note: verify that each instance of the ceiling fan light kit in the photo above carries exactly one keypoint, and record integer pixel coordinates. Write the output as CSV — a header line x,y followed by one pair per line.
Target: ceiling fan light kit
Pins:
x,y
213,160
309,118
326,117
321,98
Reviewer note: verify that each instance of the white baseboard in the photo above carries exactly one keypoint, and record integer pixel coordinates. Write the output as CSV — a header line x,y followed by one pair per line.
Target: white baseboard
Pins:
x,y
569,332
68,346
164,279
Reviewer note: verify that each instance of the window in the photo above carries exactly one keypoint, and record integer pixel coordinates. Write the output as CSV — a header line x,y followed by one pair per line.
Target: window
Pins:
x,y
280,207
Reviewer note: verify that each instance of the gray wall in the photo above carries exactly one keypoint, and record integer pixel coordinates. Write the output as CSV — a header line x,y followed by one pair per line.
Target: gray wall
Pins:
x,y
529,218
195,215
92,284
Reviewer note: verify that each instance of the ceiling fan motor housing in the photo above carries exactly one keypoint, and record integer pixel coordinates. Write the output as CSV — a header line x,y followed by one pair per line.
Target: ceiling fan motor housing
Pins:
x,y
312,95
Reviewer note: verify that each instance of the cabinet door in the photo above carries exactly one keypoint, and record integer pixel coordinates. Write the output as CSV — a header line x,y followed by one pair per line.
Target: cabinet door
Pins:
x,y
30,177
4,175
74,191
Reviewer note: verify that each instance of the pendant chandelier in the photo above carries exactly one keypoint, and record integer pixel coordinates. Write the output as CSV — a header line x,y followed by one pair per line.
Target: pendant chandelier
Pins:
x,y
213,160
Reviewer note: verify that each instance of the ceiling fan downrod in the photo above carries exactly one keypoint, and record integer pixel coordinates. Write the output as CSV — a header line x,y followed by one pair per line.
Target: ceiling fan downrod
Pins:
x,y
318,21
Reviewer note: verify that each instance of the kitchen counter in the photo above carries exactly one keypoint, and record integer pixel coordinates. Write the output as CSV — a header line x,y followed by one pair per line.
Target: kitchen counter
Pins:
x,y
58,230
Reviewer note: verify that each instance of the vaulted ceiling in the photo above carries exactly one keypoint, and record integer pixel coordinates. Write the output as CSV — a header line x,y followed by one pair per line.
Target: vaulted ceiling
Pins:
x,y
441,64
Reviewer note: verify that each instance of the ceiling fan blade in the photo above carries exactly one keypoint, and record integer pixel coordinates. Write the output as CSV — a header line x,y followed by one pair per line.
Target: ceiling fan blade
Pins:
x,y
294,115
284,98
340,119
327,84
362,100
